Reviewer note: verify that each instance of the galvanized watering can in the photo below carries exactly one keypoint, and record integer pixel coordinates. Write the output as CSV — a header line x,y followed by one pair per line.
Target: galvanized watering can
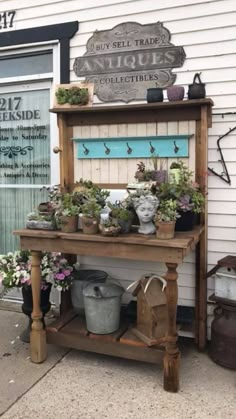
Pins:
x,y
102,307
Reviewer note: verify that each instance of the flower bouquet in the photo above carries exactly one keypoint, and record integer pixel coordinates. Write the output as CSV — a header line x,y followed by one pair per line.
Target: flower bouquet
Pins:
x,y
15,271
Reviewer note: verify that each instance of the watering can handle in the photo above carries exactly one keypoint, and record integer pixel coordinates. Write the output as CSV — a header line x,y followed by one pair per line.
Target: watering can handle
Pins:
x,y
197,76
98,292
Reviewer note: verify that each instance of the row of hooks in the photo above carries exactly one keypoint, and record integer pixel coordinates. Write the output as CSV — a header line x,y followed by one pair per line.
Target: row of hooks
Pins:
x,y
129,149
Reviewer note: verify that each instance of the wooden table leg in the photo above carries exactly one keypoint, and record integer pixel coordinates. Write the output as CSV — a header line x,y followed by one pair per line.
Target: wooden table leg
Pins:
x,y
38,346
172,353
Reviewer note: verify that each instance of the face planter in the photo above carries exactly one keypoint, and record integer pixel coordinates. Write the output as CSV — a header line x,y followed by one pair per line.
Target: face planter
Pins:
x,y
145,207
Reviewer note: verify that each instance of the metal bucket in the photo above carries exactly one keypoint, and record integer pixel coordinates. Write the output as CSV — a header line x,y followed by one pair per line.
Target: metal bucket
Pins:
x,y
81,280
102,307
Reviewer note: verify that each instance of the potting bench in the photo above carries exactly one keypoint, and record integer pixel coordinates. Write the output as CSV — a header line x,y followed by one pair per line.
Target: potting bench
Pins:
x,y
69,330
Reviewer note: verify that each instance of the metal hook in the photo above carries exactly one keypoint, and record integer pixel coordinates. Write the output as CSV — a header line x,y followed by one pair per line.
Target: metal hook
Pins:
x,y
86,150
176,148
107,149
129,149
152,149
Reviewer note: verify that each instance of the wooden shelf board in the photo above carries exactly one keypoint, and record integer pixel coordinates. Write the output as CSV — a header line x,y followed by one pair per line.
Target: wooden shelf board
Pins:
x,y
120,343
138,106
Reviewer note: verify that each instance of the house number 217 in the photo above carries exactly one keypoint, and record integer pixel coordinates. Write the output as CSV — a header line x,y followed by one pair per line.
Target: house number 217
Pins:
x,y
7,19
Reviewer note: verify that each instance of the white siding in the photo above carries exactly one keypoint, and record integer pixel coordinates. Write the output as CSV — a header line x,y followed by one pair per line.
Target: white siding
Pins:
x,y
207,31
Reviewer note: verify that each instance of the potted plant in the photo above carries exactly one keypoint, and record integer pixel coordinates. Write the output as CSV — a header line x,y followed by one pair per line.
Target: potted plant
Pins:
x,y
15,272
123,216
158,175
165,219
140,172
73,95
67,214
90,216
110,227
36,220
86,189
174,172
189,198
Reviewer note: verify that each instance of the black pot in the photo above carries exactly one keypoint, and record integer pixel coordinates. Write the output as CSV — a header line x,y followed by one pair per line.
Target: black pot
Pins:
x,y
154,94
27,307
186,221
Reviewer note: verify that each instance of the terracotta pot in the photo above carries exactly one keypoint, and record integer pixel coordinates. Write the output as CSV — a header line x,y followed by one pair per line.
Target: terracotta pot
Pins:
x,y
69,224
89,225
175,93
165,230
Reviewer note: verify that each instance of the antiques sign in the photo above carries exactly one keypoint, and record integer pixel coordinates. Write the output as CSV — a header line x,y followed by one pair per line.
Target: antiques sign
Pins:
x,y
126,60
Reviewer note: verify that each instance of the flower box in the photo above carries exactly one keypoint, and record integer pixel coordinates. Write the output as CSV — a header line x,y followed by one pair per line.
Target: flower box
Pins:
x,y
67,89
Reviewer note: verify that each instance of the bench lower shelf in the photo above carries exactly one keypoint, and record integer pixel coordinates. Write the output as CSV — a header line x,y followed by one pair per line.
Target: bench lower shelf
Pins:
x,y
70,331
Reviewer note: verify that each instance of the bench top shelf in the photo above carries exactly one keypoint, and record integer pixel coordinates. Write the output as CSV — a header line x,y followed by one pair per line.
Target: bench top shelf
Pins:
x,y
131,246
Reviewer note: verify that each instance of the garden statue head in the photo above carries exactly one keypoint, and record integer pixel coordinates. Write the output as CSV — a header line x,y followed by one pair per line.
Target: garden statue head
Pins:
x,y
145,207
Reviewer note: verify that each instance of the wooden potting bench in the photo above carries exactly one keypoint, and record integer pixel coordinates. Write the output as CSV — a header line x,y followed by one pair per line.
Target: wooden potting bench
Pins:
x,y
69,330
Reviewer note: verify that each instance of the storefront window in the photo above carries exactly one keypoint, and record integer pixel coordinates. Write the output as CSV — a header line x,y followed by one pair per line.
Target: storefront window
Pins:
x,y
25,65
24,158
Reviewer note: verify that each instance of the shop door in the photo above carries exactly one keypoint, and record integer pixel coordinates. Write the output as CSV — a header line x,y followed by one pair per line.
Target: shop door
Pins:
x,y
26,161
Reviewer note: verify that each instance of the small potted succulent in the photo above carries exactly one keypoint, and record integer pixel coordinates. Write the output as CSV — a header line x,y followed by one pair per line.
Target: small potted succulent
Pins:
x,y
174,172
123,216
90,216
67,214
140,172
159,174
165,219
110,227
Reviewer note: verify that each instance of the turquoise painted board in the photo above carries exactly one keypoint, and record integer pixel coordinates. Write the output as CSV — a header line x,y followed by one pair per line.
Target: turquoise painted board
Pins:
x,y
132,147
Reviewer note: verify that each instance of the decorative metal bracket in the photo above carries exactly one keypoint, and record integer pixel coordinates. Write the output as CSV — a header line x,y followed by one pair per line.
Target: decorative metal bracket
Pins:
x,y
224,174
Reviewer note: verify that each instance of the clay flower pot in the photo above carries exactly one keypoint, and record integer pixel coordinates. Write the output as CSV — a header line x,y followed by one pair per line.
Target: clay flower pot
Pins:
x,y
175,93
165,230
89,225
69,224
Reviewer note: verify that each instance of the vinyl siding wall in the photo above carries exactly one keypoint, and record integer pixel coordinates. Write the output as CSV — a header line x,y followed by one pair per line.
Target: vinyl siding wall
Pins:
x,y
207,31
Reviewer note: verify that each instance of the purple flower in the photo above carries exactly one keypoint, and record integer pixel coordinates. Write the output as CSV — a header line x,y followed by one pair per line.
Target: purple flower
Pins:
x,y
66,272
60,276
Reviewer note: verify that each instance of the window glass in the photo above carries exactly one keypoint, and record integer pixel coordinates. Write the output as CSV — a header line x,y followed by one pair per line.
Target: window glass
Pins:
x,y
25,138
26,65
24,158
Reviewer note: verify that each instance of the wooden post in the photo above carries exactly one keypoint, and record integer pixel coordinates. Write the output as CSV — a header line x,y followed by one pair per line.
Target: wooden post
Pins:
x,y
172,354
201,254
38,347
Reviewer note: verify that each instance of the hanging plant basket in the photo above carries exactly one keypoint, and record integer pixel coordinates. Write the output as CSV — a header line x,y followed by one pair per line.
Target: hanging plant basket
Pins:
x,y
73,95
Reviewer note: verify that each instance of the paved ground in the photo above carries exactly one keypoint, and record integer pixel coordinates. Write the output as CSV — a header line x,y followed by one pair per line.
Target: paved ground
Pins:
x,y
77,385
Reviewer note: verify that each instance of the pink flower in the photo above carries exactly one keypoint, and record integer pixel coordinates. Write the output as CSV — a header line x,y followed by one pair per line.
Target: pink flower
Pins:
x,y
59,276
66,272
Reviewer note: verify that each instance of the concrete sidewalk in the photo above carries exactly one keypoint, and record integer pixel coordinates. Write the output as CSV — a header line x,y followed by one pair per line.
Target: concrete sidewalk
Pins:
x,y
78,385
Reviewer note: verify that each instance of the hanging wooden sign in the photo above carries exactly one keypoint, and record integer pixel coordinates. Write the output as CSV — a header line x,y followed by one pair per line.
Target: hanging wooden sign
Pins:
x,y
126,60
